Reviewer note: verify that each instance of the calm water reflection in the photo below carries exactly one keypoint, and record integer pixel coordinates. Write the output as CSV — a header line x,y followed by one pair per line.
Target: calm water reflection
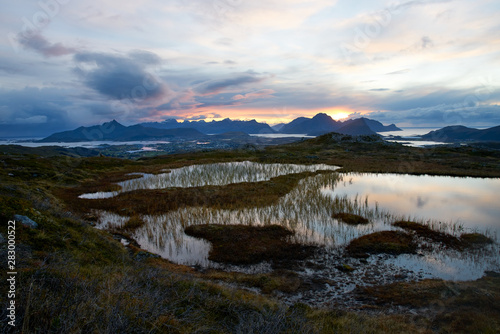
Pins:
x,y
471,202
382,198
217,174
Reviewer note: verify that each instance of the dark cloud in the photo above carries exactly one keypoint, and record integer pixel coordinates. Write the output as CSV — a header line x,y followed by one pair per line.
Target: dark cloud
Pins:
x,y
36,42
217,86
442,115
33,111
416,99
121,77
379,89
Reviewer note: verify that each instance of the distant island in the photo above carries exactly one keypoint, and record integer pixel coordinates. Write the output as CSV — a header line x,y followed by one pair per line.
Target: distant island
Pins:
x,y
460,133
171,129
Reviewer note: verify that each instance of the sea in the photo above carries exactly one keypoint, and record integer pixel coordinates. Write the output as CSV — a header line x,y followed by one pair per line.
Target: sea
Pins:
x,y
409,137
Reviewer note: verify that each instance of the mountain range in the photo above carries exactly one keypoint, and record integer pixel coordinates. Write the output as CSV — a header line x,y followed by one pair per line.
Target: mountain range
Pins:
x,y
114,131
322,123
318,125
213,127
171,129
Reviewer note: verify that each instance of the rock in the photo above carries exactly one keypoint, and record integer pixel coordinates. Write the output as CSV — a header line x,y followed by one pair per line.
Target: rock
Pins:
x,y
345,268
142,256
26,221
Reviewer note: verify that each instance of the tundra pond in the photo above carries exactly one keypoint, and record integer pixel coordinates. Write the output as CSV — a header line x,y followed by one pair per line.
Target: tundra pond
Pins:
x,y
448,205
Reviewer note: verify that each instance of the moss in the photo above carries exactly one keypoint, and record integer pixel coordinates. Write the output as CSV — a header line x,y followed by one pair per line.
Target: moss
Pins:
x,y
451,307
280,280
425,232
350,218
475,239
388,242
241,244
232,196
134,223
83,281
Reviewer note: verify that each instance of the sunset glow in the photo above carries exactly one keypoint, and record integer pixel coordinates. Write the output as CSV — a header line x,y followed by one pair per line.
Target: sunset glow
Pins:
x,y
407,63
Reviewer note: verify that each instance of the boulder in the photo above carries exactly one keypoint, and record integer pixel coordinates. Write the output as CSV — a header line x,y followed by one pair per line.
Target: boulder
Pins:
x,y
26,221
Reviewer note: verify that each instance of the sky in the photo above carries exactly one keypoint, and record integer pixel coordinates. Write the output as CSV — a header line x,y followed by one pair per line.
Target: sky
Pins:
x,y
67,63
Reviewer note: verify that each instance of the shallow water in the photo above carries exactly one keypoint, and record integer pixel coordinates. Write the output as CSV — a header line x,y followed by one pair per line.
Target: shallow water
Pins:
x,y
448,204
470,203
217,174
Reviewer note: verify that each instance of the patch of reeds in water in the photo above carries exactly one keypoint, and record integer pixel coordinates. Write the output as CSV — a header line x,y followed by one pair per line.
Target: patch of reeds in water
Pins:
x,y
210,174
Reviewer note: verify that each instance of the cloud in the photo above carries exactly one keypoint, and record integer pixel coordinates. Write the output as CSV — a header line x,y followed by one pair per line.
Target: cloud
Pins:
x,y
36,42
38,119
33,111
379,89
442,115
263,93
197,118
219,85
398,72
121,77
427,42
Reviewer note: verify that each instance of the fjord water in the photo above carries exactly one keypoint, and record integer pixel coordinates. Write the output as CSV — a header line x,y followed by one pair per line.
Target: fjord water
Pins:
x,y
452,205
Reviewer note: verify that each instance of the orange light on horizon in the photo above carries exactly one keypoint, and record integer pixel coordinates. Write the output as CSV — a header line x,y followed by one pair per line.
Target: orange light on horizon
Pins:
x,y
270,116
338,115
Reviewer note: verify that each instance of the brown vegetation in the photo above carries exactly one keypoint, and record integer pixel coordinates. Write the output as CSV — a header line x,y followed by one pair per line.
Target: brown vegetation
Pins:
x,y
387,242
427,233
465,240
232,196
453,307
241,244
475,239
350,218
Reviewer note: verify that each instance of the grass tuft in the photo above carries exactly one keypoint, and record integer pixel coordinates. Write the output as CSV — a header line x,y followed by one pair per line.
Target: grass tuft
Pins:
x,y
350,218
387,242
242,244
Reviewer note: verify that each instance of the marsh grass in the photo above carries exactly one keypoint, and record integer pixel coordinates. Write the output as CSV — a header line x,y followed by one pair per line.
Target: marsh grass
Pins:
x,y
350,218
241,244
427,233
386,242
475,239
298,203
84,281
218,174
454,307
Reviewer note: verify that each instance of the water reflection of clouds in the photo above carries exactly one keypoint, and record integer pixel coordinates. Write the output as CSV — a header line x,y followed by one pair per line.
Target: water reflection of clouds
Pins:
x,y
451,265
421,202
471,201
308,209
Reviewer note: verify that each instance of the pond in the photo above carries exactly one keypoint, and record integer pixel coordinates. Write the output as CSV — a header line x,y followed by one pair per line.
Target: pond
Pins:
x,y
465,202
452,205
217,174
